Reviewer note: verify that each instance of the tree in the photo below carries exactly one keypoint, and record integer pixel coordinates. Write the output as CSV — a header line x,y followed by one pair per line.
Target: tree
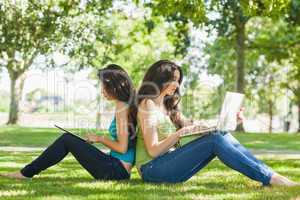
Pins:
x,y
279,42
32,28
121,38
230,19
27,30
266,88
292,83
134,46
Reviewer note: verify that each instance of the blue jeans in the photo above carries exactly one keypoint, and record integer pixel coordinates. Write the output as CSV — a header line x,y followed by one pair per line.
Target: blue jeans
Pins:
x,y
181,164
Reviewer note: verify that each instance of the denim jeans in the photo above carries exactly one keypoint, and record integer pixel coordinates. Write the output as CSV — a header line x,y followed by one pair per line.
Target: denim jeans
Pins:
x,y
182,163
98,164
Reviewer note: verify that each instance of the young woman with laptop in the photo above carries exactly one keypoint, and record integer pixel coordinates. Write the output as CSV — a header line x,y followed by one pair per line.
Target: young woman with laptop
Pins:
x,y
161,125
116,165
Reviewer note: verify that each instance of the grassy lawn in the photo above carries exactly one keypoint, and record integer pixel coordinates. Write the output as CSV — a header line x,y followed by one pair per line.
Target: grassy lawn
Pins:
x,y
68,180
267,141
33,137
42,137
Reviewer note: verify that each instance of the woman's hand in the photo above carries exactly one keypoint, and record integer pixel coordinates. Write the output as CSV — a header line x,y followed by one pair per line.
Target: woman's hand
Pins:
x,y
240,116
92,138
185,129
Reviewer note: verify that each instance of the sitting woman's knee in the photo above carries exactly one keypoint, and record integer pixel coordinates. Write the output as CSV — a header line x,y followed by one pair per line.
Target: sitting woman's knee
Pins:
x,y
218,135
224,136
66,136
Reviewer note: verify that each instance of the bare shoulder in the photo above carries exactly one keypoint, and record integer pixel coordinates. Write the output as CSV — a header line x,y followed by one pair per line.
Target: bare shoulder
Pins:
x,y
147,104
121,104
146,108
146,113
122,107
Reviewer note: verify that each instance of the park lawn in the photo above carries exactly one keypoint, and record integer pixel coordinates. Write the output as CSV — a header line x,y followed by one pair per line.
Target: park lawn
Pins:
x,y
68,180
42,137
17,136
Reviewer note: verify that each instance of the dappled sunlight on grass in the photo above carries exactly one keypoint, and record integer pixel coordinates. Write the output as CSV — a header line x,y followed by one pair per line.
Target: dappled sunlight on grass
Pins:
x,y
59,197
225,196
68,180
214,173
11,164
270,141
12,193
256,142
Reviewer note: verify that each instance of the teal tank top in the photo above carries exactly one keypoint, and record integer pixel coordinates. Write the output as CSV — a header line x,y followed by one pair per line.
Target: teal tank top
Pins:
x,y
128,156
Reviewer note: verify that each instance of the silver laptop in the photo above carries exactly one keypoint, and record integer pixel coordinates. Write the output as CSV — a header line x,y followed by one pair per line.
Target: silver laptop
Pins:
x,y
227,118
231,106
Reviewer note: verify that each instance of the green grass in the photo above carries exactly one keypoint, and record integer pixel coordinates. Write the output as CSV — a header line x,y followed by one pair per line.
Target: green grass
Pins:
x,y
282,141
68,180
34,137
42,137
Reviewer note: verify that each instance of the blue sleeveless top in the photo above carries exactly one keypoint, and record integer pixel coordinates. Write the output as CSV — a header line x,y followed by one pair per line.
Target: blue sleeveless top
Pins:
x,y
129,156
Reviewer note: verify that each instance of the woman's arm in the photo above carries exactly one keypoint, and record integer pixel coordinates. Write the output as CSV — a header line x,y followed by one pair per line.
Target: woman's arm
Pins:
x,y
180,120
148,124
121,144
191,125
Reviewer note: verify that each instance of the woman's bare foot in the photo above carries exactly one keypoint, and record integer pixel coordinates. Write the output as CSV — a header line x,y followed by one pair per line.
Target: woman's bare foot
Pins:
x,y
15,175
278,179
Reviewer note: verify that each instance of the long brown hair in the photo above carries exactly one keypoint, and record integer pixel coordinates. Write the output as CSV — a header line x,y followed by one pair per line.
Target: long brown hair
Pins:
x,y
118,85
160,73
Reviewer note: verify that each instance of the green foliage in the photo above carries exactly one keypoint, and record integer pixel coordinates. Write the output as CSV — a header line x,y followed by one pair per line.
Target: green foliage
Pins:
x,y
272,39
129,43
201,102
270,8
179,14
294,12
192,10
142,48
29,28
292,82
32,28
275,9
267,88
229,17
222,58
279,42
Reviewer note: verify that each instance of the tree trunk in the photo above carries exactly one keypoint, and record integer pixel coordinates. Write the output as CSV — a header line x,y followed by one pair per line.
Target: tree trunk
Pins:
x,y
240,52
298,117
17,70
14,104
16,91
287,119
270,116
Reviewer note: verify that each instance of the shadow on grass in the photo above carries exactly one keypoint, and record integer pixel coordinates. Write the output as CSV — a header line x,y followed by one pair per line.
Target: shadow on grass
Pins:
x,y
69,181
60,185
